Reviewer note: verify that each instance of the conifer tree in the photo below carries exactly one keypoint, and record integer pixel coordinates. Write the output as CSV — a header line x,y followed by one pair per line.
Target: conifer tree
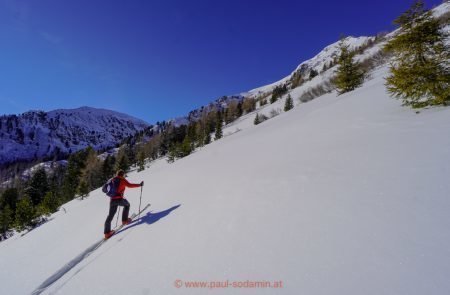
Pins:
x,y
141,161
24,214
172,153
312,74
83,189
349,74
257,119
219,122
6,219
260,118
273,98
207,139
277,92
92,173
73,174
108,167
38,186
289,103
185,148
123,162
9,198
50,203
420,71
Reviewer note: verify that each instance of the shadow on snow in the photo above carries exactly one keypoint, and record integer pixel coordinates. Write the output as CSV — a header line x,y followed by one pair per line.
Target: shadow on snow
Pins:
x,y
148,219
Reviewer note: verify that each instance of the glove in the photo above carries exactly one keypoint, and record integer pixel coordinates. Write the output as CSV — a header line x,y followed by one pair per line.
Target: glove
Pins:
x,y
142,183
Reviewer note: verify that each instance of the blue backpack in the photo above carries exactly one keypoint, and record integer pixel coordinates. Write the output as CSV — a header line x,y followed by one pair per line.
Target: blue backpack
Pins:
x,y
111,187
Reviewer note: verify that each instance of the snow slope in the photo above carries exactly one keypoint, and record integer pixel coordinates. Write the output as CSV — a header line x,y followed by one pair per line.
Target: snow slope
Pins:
x,y
341,195
316,63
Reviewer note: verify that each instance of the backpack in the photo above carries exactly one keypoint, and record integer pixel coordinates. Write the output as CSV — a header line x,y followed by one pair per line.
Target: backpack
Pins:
x,y
110,188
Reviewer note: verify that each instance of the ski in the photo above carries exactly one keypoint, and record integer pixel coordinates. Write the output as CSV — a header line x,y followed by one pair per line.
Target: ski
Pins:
x,y
133,216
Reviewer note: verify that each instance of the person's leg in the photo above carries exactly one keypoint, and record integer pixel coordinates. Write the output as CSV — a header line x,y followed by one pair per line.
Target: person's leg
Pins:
x,y
126,209
112,211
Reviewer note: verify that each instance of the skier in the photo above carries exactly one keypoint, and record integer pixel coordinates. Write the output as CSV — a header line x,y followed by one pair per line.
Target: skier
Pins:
x,y
119,200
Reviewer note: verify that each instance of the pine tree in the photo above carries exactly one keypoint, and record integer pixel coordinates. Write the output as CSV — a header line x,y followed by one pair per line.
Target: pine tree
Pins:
x,y
24,214
6,219
273,98
141,161
83,189
207,138
72,176
185,148
49,204
123,162
420,71
312,74
9,198
349,74
38,186
92,172
108,167
201,131
219,123
289,103
277,92
172,153
257,119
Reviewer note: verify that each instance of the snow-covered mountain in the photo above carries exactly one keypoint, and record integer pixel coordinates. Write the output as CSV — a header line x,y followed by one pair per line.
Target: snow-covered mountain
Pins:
x,y
316,63
349,190
366,44
341,195
38,134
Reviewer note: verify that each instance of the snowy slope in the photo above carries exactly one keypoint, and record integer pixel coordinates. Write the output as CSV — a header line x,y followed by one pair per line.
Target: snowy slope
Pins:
x,y
316,63
341,195
38,134
331,51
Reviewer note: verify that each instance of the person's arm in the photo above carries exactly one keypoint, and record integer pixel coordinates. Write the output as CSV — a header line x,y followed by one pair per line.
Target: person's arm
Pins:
x,y
129,184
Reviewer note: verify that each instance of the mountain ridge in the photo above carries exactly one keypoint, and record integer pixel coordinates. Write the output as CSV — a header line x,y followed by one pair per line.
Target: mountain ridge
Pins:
x,y
37,134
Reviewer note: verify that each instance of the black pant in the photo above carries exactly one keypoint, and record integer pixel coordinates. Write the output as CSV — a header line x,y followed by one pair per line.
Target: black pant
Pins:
x,y
112,211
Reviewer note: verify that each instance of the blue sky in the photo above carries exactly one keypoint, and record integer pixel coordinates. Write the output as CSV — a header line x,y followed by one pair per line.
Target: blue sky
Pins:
x,y
157,60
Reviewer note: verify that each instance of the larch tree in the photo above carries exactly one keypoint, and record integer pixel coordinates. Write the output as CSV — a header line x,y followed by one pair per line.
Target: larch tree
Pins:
x,y
420,69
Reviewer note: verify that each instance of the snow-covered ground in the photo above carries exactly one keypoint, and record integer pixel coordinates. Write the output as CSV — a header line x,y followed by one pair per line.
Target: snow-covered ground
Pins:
x,y
317,62
341,195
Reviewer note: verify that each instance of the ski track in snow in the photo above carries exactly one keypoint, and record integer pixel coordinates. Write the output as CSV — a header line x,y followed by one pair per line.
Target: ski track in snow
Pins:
x,y
82,256
341,195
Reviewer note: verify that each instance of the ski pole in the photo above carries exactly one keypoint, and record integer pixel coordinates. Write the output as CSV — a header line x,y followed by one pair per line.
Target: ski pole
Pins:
x,y
140,200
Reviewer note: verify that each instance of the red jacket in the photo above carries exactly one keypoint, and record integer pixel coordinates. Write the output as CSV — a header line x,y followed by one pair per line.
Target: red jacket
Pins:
x,y
122,185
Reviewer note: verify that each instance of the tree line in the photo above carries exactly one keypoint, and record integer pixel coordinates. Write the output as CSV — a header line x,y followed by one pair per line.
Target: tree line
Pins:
x,y
419,75
419,72
28,203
